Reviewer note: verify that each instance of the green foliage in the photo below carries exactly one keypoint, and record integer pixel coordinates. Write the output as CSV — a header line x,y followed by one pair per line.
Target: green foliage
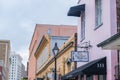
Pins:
x,y
24,79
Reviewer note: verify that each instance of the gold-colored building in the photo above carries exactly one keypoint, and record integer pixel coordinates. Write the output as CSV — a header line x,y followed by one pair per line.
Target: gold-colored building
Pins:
x,y
45,58
5,48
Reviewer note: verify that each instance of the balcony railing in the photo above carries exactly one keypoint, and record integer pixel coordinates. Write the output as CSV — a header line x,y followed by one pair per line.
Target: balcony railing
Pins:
x,y
118,25
117,72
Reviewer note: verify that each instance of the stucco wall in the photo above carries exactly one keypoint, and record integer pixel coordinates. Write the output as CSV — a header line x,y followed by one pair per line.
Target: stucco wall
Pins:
x,y
40,30
96,36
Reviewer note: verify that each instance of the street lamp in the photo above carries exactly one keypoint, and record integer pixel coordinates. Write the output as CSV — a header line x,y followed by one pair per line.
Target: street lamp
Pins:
x,y
55,51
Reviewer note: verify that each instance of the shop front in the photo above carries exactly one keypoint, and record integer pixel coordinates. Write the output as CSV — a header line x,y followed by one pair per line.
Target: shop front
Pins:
x,y
40,79
89,71
113,43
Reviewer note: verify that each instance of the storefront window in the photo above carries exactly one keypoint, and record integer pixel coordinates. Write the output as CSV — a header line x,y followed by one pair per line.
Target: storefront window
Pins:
x,y
89,77
101,77
82,77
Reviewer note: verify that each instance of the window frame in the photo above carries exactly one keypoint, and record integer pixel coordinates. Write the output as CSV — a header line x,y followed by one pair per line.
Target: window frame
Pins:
x,y
82,25
98,14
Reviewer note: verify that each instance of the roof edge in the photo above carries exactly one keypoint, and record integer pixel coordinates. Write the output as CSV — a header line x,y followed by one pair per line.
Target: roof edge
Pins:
x,y
110,39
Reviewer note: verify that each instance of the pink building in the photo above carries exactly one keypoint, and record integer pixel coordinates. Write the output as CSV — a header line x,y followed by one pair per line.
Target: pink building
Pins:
x,y
40,30
97,21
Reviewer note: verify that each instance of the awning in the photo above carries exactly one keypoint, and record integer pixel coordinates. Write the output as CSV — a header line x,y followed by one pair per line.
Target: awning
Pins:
x,y
111,43
95,67
76,10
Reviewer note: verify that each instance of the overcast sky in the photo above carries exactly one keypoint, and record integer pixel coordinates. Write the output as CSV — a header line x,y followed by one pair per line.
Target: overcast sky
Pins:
x,y
19,17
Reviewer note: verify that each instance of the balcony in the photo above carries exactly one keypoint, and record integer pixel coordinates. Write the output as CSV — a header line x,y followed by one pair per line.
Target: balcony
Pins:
x,y
118,25
118,20
118,15
117,72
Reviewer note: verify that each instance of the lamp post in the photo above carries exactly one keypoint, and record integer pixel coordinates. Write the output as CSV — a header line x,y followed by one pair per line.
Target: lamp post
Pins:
x,y
55,51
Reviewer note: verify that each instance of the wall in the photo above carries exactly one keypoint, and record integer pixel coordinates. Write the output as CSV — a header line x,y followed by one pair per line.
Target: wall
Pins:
x,y
40,30
62,67
96,36
4,55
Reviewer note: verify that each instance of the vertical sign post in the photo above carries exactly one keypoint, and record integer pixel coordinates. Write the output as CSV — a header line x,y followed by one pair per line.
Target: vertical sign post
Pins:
x,y
75,37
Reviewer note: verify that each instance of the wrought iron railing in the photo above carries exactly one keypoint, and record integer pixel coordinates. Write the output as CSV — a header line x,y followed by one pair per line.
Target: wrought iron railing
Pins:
x,y
117,72
118,25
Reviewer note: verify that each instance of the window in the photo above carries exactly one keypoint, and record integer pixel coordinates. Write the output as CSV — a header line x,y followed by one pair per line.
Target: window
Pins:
x,y
89,77
101,77
82,77
82,25
98,13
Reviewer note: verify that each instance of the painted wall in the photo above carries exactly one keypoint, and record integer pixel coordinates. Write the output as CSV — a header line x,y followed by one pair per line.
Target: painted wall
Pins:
x,y
62,67
40,30
96,36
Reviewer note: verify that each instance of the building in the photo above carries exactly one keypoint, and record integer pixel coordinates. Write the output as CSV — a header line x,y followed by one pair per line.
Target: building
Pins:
x,y
23,71
98,20
45,57
112,43
15,67
4,58
40,30
2,70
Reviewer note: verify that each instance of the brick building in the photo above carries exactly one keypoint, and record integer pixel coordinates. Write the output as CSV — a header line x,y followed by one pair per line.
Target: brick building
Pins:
x,y
40,30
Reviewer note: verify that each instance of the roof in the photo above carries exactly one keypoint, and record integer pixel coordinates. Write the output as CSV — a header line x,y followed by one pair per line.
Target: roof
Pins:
x,y
107,41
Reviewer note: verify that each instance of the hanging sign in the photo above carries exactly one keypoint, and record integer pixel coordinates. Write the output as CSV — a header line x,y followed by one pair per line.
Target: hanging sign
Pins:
x,y
80,56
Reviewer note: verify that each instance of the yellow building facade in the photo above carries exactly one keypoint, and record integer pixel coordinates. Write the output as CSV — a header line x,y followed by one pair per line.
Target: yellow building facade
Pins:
x,y
45,59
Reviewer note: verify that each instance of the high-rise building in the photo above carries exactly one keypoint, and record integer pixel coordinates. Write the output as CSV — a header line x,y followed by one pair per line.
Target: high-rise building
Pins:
x,y
23,72
15,67
4,59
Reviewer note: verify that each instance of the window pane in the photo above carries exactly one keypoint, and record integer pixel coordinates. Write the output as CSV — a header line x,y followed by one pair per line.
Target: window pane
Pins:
x,y
82,25
101,77
89,77
98,12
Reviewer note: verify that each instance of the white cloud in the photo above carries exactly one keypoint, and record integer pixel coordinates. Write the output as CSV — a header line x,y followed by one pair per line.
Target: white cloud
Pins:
x,y
24,53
